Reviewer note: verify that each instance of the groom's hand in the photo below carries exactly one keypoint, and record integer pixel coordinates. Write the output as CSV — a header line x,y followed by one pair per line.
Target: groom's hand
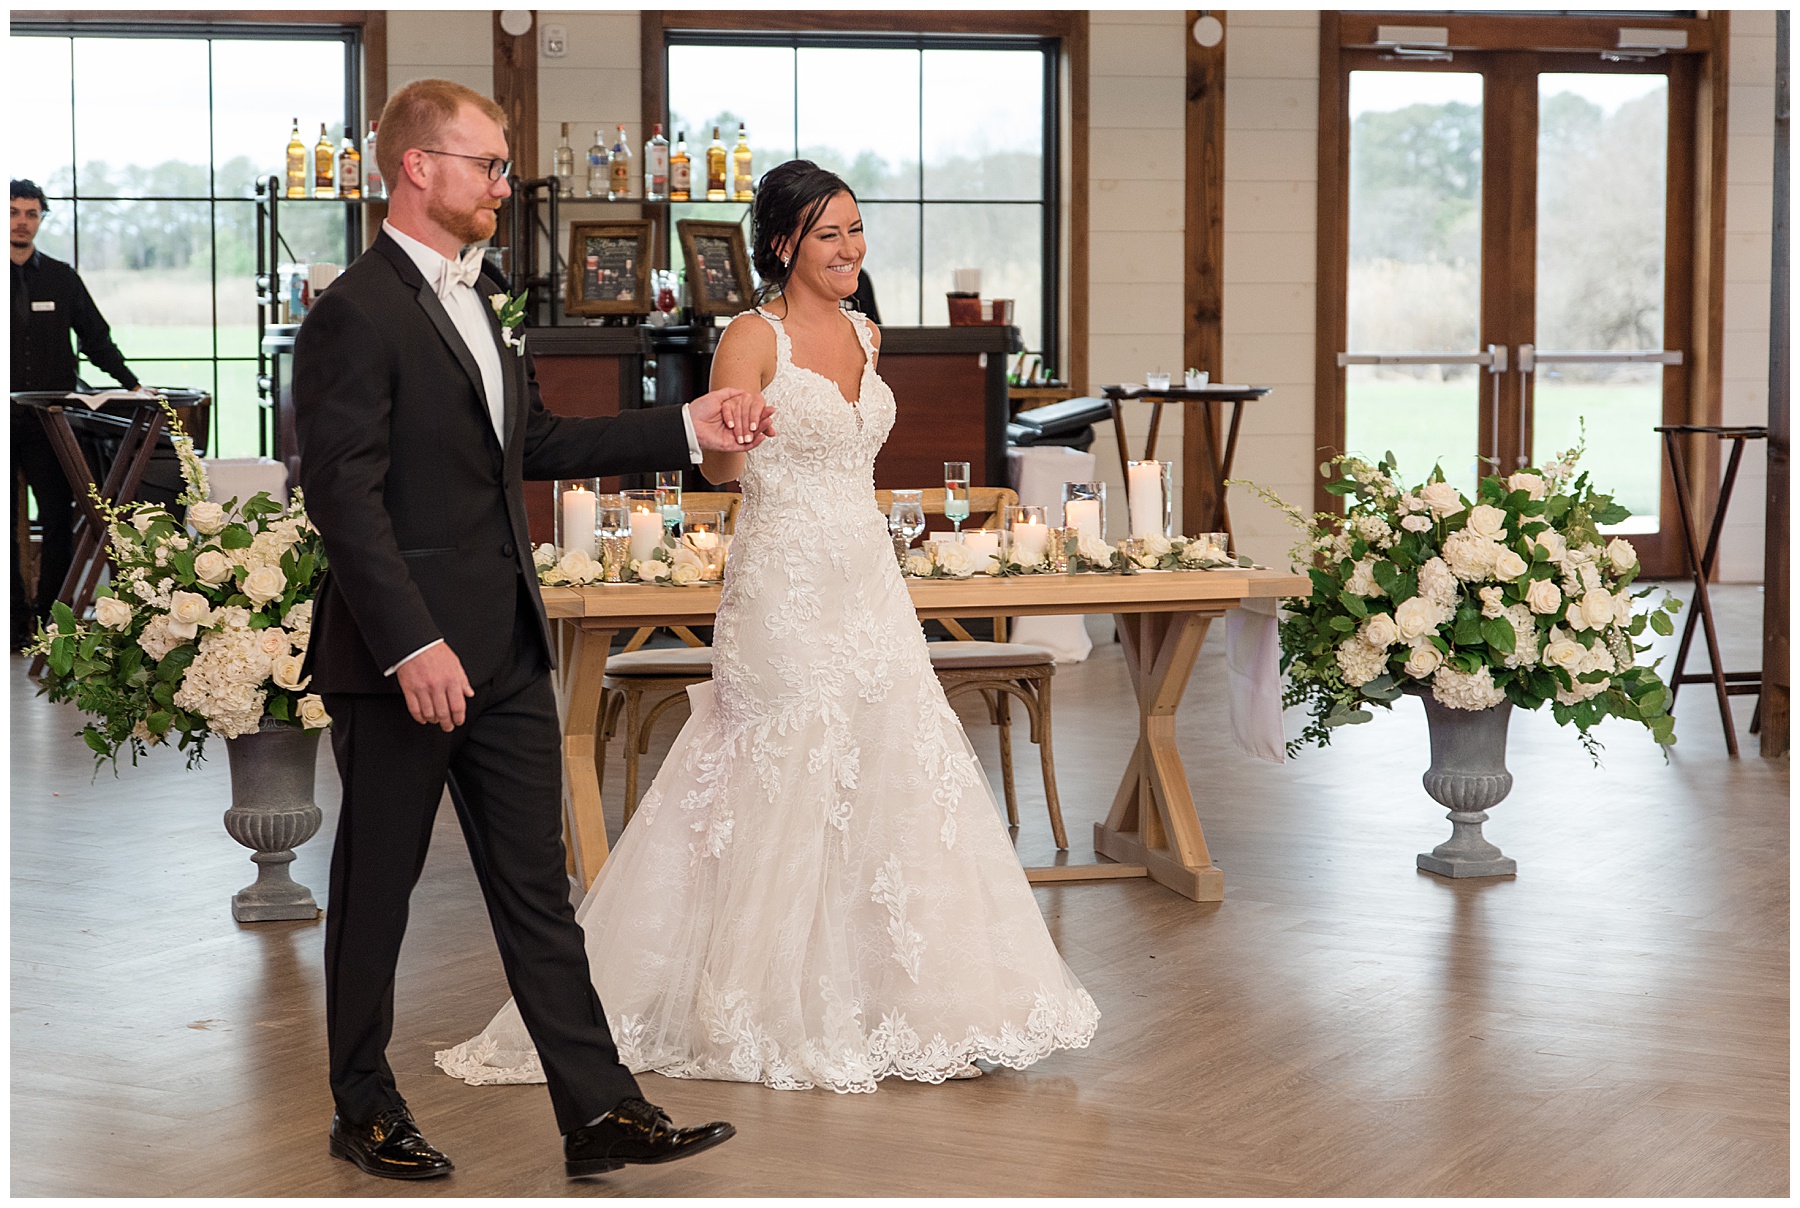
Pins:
x,y
731,420
435,687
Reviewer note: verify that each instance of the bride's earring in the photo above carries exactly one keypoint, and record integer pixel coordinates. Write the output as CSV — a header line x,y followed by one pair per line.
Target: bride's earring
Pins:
x,y
784,261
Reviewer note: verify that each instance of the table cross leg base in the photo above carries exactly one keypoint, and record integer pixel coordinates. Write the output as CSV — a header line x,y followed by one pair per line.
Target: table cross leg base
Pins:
x,y
581,677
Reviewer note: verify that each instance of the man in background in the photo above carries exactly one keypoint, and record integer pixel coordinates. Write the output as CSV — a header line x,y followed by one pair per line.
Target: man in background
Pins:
x,y
49,302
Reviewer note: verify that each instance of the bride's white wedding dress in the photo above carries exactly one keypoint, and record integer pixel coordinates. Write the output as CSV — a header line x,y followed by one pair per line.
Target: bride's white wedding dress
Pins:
x,y
817,889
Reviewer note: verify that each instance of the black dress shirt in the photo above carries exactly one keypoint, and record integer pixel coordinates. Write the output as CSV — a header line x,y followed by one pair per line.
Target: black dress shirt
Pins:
x,y
48,302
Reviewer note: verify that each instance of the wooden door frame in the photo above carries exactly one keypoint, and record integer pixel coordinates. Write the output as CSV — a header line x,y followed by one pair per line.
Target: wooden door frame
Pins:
x,y
1070,26
1693,308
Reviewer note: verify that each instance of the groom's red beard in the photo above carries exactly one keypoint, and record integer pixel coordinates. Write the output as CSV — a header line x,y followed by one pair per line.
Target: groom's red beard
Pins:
x,y
469,226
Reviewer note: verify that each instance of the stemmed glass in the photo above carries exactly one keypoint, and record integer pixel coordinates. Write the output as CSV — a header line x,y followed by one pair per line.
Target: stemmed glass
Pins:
x,y
906,519
956,492
664,286
668,498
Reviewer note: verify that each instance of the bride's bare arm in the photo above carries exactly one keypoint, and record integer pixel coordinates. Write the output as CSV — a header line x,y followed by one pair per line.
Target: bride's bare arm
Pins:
x,y
745,359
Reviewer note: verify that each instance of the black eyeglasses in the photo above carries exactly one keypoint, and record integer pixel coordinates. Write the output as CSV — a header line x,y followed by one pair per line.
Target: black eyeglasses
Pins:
x,y
496,168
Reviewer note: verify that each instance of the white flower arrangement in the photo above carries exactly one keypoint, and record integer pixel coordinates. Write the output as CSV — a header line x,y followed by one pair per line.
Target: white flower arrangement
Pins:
x,y
681,561
1509,596
1085,554
203,628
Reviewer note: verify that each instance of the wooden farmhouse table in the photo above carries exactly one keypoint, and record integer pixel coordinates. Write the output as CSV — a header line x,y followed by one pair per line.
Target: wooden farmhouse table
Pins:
x,y
1153,828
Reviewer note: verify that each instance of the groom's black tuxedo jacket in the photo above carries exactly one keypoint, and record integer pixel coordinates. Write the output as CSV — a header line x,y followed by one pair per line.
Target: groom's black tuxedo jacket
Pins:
x,y
421,508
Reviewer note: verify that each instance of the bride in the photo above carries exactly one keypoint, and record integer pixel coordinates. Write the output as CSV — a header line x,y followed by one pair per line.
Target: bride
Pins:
x,y
817,889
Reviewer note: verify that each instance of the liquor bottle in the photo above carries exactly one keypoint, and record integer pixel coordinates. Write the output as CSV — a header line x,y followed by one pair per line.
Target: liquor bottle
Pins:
x,y
349,171
680,170
296,163
656,166
597,166
324,166
565,165
743,182
715,169
620,167
374,184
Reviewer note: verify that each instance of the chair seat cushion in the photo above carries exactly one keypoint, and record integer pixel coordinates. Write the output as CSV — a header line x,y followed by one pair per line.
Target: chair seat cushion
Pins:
x,y
971,656
682,661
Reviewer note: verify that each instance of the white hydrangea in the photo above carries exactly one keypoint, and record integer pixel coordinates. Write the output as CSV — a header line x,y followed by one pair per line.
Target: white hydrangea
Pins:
x,y
1362,579
1437,583
1375,531
1459,690
1470,555
156,639
1360,661
227,681
1525,636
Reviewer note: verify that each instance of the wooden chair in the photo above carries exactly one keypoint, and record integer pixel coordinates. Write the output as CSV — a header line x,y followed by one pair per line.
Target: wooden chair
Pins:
x,y
726,503
999,670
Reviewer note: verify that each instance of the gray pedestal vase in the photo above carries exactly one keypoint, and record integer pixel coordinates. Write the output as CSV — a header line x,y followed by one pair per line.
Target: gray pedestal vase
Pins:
x,y
1467,776
272,812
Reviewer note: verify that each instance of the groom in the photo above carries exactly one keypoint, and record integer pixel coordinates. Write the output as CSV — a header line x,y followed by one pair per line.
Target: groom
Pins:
x,y
418,421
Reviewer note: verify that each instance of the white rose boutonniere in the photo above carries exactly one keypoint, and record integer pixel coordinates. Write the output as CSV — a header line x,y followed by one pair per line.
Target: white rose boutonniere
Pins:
x,y
511,312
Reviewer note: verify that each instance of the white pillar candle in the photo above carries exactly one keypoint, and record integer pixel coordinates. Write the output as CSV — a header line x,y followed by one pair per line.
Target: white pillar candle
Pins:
x,y
646,534
1083,515
578,521
985,545
1030,540
1144,488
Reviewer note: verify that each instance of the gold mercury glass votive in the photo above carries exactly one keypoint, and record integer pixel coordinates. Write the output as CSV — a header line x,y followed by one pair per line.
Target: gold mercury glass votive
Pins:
x,y
1057,552
1132,547
615,555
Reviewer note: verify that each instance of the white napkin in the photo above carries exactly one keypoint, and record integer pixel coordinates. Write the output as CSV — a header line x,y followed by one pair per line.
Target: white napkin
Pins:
x,y
96,401
1253,676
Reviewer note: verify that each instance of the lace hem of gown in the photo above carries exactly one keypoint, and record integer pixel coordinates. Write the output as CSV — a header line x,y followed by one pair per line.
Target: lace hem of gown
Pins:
x,y
893,1050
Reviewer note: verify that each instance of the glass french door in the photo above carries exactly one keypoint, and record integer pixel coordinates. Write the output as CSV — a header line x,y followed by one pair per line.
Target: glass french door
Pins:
x,y
1519,239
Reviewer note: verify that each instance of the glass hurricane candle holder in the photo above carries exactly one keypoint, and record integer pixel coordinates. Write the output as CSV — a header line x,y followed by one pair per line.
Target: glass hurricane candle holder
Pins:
x,y
644,522
1214,545
1148,499
985,545
1084,508
703,532
1027,533
577,503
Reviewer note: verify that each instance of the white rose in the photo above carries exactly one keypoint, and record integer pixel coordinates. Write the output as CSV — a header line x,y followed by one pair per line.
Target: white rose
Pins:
x,y
1415,523
1490,522
955,558
1147,561
684,573
187,612
1553,545
650,569
206,517
285,671
1621,554
918,562
1380,631
212,567
265,583
273,643
1621,608
1362,579
1094,549
1509,566
1442,498
1424,660
1417,617
312,713
577,567
1597,609
144,518
1543,596
1411,503
1492,605
1564,652
1532,484
112,612
544,556
1157,545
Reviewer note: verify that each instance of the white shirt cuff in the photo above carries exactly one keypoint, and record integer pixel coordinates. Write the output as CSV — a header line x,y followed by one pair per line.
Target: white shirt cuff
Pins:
x,y
415,654
687,421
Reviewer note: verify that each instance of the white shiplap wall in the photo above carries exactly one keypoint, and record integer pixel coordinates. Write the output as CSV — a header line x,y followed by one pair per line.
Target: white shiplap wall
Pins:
x,y
1271,207
1749,208
1136,171
595,86
447,44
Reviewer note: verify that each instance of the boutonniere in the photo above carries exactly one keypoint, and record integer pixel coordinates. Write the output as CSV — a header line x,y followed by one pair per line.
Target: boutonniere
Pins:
x,y
511,312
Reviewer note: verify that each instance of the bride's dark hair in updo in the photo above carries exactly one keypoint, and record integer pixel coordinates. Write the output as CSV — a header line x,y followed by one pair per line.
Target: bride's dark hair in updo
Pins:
x,y
788,204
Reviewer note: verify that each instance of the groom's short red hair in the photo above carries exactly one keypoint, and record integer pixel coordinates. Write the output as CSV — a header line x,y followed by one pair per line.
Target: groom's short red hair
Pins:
x,y
416,116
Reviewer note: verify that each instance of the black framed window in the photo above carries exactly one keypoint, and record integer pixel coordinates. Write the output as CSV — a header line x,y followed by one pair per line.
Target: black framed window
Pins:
x,y
950,142
147,141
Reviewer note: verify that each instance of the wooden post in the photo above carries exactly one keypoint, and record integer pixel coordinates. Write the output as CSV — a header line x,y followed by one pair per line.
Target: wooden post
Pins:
x,y
1775,526
1203,282
516,91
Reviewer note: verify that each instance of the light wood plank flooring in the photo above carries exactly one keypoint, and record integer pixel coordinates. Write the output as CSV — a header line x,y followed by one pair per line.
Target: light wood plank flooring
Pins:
x,y
1613,1021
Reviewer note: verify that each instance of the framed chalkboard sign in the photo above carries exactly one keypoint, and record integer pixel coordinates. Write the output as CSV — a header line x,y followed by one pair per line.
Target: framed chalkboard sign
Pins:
x,y
718,267
609,268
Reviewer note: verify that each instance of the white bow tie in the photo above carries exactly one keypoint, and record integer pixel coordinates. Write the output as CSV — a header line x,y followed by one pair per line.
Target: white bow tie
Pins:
x,y
461,271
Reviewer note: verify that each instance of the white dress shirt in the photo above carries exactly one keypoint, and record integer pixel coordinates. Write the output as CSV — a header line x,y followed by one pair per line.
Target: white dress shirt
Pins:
x,y
463,304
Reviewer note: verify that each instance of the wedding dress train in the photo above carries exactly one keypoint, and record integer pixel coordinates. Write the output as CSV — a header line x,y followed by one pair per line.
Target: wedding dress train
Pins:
x,y
817,888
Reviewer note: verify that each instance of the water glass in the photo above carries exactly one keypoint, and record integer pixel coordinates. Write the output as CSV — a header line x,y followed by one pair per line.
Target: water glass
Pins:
x,y
1157,379
956,492
906,518
668,497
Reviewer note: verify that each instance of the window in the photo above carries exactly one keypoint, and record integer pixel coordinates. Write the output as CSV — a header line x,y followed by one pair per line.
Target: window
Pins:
x,y
147,142
949,142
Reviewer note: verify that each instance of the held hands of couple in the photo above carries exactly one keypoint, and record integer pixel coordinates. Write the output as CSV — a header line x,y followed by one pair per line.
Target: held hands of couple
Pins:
x,y
435,687
731,420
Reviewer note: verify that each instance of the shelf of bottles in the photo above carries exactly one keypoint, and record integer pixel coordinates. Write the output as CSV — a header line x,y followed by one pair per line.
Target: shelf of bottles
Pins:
x,y
718,182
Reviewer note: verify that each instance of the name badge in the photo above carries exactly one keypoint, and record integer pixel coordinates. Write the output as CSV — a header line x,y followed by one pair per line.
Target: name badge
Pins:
x,y
43,306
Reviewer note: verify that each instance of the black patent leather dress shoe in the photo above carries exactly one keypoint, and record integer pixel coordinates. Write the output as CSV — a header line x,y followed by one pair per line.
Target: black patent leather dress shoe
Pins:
x,y
636,1133
390,1146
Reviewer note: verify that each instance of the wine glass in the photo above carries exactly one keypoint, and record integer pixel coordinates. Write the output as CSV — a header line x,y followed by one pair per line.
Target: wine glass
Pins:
x,y
906,518
668,498
956,492
665,294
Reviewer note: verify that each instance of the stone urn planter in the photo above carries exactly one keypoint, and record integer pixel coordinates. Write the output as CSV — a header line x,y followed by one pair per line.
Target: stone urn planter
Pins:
x,y
1468,777
272,812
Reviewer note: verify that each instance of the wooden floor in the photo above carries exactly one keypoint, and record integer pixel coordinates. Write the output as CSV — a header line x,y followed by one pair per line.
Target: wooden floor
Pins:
x,y
1613,1021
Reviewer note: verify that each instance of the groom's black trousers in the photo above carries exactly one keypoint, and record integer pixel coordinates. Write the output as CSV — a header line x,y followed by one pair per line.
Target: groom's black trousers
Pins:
x,y
504,764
